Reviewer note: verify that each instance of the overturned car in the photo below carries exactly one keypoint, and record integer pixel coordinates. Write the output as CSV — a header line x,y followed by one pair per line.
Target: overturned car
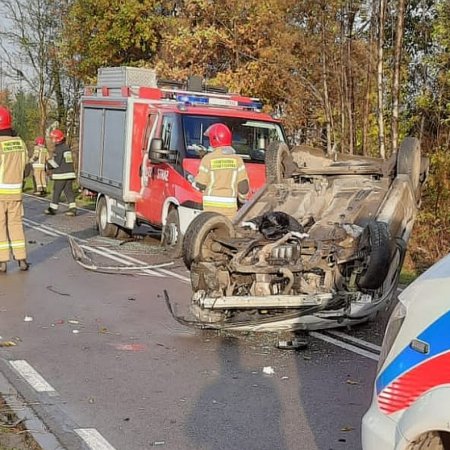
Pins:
x,y
320,245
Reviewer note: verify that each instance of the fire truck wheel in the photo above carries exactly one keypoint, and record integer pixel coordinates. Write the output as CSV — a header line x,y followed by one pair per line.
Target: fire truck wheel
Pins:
x,y
105,228
199,239
279,162
171,236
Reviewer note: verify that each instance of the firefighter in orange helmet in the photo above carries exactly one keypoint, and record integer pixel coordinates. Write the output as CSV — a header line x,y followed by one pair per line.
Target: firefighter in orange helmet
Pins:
x,y
13,158
38,161
63,174
222,176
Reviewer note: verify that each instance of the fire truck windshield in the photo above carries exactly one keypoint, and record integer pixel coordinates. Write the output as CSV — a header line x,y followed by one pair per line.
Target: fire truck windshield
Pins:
x,y
250,137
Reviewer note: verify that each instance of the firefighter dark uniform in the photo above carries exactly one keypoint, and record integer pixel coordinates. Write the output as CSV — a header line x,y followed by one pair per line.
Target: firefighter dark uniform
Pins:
x,y
63,174
38,162
13,158
222,176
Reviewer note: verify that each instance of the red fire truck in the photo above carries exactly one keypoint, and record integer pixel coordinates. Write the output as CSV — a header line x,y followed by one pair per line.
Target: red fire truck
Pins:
x,y
141,140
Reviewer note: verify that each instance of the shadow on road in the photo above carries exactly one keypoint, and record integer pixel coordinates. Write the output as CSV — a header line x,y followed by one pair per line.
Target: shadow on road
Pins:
x,y
227,417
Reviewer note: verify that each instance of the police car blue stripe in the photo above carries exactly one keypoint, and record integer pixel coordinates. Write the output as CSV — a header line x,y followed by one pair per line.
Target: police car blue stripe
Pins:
x,y
437,335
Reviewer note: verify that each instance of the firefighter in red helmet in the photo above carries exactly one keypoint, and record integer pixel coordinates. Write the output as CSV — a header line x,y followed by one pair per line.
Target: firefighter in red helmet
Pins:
x,y
63,174
13,159
38,162
222,176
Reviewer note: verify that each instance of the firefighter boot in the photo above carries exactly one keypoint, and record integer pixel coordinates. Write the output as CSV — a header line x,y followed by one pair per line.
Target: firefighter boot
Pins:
x,y
50,211
72,212
23,265
2,267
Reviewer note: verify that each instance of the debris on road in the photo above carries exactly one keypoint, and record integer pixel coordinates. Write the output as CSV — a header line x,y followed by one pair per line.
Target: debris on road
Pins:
x,y
86,262
130,347
50,288
268,370
7,344
294,344
28,319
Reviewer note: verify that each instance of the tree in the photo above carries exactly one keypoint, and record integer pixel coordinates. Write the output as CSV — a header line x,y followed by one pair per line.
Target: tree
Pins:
x,y
28,45
380,76
399,30
112,33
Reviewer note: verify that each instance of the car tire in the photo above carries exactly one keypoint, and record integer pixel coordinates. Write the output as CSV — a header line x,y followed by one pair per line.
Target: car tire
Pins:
x,y
428,441
171,236
375,244
279,162
409,161
199,233
105,228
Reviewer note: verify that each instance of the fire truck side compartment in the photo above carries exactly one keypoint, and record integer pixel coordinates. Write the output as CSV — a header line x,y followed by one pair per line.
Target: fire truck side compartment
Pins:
x,y
104,131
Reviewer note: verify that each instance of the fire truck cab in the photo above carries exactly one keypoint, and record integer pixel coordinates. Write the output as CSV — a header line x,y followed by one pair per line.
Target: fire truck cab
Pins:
x,y
141,141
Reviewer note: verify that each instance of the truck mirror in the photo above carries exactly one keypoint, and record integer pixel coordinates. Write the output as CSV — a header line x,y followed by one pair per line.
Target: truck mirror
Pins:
x,y
157,154
155,145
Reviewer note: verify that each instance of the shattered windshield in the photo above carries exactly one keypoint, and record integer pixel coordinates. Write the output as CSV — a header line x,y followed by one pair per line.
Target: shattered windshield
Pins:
x,y
250,137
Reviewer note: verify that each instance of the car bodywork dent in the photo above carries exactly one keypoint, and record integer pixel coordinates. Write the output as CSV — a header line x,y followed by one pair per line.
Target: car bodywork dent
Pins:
x,y
320,245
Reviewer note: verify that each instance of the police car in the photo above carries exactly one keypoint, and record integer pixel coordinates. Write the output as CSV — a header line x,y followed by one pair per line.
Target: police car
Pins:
x,y
411,402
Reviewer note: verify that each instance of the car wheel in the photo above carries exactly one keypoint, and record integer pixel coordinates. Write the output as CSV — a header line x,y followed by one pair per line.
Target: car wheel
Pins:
x,y
171,235
409,160
428,441
279,162
105,228
375,245
200,235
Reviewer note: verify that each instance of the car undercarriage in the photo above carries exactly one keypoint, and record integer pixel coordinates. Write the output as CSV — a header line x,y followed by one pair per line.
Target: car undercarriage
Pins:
x,y
320,245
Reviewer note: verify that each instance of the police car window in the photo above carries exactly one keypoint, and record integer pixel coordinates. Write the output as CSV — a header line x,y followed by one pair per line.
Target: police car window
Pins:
x,y
250,137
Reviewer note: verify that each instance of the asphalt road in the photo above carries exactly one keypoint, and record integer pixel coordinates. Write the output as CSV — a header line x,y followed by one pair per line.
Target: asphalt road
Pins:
x,y
103,364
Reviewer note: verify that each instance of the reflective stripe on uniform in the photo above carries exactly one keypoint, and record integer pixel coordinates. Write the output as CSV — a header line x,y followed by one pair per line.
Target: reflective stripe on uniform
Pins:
x,y
64,176
223,163
203,169
53,206
12,146
8,189
72,205
219,202
38,166
13,244
68,158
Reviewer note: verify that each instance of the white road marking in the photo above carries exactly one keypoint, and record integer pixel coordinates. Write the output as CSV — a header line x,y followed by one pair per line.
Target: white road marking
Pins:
x,y
34,379
107,253
42,230
93,439
176,275
342,335
341,344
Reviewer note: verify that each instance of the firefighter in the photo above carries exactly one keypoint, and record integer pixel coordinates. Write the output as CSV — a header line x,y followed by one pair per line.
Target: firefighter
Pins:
x,y
13,159
38,161
63,174
222,176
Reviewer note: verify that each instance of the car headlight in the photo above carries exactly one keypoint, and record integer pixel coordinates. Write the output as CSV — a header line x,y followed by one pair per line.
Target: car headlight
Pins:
x,y
393,328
